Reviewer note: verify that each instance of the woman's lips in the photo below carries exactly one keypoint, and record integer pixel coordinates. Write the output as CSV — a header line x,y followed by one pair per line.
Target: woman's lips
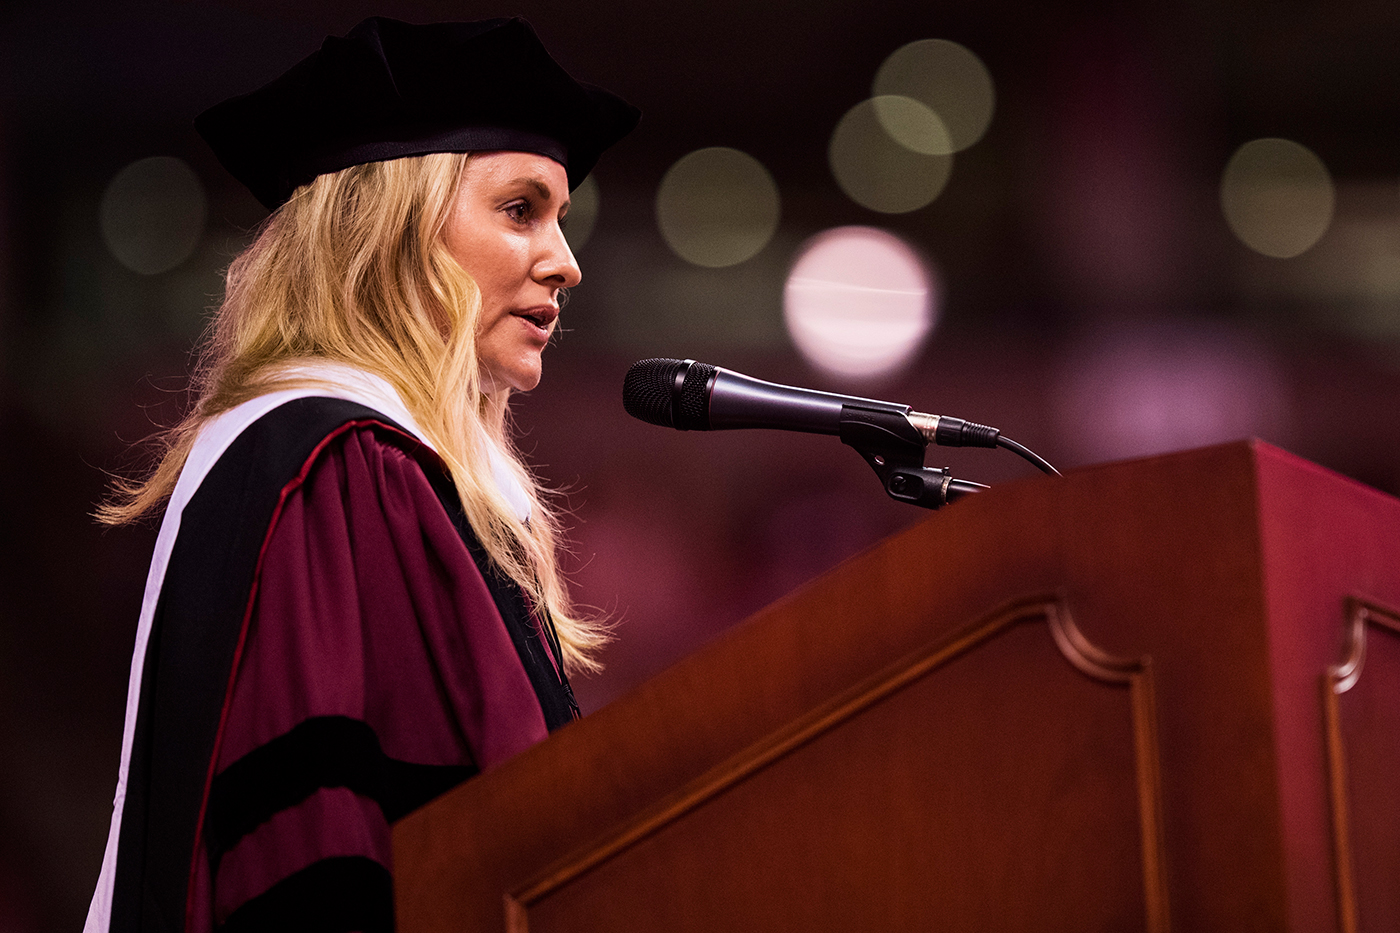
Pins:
x,y
540,317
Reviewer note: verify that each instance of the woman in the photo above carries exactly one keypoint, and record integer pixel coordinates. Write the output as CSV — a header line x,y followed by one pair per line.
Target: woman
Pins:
x,y
354,603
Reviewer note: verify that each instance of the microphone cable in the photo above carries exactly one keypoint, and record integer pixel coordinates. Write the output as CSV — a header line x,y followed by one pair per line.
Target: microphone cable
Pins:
x,y
688,395
1022,451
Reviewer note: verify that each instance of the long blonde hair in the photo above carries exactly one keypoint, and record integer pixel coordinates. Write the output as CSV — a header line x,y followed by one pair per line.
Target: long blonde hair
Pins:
x,y
353,270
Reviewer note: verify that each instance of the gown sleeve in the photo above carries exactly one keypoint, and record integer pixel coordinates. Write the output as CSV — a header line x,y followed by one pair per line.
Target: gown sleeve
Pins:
x,y
375,674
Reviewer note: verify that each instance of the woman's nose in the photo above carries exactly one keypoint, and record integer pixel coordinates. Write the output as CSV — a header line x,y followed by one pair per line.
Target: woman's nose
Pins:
x,y
557,264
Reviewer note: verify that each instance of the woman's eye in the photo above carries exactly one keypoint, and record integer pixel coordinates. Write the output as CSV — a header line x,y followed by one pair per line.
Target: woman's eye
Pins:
x,y
519,211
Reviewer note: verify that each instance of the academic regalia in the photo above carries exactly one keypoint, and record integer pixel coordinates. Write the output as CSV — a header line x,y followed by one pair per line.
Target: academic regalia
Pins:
x,y
323,645
328,650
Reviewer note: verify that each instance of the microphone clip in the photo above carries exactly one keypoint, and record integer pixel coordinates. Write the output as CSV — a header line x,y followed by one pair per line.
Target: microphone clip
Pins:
x,y
894,448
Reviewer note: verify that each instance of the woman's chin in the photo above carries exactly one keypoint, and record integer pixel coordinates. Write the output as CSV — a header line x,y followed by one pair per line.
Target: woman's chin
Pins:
x,y
520,378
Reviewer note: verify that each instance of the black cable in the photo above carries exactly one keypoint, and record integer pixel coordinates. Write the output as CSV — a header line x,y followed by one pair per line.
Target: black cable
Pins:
x,y
957,488
1040,462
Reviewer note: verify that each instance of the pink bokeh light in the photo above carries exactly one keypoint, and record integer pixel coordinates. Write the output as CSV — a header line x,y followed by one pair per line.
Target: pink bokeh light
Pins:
x,y
1136,390
859,302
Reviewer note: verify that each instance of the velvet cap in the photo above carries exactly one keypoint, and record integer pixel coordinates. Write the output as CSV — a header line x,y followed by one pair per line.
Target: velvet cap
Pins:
x,y
391,89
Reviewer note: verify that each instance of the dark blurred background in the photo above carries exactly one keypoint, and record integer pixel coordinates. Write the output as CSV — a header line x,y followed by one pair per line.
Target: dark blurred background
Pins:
x,y
1088,292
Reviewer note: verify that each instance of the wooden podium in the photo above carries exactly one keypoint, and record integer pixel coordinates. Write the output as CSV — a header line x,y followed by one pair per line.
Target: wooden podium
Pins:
x,y
1145,696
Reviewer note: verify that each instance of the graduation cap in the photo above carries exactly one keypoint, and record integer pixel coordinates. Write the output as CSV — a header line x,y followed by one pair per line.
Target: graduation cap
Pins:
x,y
391,89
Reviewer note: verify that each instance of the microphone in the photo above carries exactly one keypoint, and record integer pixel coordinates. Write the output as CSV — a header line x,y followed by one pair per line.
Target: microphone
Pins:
x,y
691,396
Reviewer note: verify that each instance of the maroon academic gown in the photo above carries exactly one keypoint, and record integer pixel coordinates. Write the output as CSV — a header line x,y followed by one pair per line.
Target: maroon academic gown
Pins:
x,y
330,651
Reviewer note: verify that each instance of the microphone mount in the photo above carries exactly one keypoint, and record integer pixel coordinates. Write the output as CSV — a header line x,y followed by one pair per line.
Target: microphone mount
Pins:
x,y
893,444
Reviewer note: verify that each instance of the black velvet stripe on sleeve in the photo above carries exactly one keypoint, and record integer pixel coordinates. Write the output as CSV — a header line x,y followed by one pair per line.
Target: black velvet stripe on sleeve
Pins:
x,y
327,751
335,895
547,677
194,636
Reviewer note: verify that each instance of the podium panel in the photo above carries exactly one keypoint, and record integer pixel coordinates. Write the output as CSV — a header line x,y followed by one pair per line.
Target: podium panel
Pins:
x,y
1363,731
1144,696
892,806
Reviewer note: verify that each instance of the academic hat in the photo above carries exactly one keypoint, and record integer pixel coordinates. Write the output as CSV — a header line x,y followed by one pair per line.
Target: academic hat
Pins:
x,y
391,89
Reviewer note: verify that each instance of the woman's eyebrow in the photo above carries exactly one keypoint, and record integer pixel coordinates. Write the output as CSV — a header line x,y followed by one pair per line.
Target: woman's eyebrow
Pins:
x,y
540,187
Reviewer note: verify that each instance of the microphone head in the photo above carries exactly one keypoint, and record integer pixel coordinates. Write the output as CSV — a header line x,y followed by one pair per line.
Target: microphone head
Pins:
x,y
670,393
646,391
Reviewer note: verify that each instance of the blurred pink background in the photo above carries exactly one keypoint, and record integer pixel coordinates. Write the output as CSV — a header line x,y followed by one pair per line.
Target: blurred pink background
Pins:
x,y
1092,302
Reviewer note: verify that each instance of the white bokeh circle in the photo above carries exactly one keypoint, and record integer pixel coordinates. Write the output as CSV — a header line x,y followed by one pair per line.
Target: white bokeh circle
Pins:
x,y
859,302
1277,197
879,172
717,207
946,77
152,214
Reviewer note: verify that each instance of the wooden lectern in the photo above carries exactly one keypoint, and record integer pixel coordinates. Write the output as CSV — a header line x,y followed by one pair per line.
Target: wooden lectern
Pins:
x,y
1144,696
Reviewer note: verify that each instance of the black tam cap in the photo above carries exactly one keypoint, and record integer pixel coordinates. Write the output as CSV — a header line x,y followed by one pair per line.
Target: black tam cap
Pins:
x,y
391,89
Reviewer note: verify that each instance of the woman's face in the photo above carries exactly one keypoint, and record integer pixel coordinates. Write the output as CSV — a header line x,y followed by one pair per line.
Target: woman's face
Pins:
x,y
504,231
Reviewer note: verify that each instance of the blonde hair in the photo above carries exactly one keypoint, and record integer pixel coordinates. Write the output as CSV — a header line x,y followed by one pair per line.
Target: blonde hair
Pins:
x,y
353,270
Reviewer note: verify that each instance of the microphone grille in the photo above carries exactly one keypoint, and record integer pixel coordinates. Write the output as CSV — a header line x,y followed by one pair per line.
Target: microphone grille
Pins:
x,y
695,399
646,391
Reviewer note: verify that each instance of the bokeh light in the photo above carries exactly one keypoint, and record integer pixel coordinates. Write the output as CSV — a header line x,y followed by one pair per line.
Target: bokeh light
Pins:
x,y
877,172
947,78
1277,197
583,214
152,214
859,302
1349,283
717,207
912,124
1134,390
